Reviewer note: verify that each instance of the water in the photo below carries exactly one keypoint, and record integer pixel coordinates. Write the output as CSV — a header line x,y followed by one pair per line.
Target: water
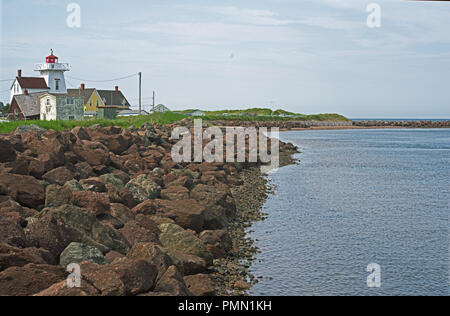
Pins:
x,y
358,197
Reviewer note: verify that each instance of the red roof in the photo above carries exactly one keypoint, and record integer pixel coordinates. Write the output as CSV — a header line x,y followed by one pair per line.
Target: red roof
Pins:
x,y
52,56
32,83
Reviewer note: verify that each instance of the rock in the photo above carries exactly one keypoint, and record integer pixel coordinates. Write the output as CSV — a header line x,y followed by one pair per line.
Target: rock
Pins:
x,y
147,207
215,218
187,264
18,257
123,277
29,279
94,153
55,229
175,193
7,152
74,186
113,255
24,189
218,242
121,212
29,128
81,133
187,213
56,196
141,230
8,205
143,188
111,221
209,196
97,203
61,289
58,176
152,253
11,230
77,252
175,238
172,282
200,285
93,185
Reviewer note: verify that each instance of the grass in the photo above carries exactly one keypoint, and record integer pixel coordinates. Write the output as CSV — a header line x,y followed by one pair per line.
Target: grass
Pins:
x,y
160,118
124,122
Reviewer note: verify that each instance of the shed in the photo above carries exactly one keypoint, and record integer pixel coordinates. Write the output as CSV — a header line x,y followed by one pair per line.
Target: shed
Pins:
x,y
107,112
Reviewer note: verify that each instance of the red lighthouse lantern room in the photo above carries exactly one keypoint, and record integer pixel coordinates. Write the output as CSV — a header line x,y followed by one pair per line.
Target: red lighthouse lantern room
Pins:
x,y
52,59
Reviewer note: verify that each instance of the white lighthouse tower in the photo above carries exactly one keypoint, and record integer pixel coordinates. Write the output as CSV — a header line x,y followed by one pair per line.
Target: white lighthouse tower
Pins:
x,y
53,73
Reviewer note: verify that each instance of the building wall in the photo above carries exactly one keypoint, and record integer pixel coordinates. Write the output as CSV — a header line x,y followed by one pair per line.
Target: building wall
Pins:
x,y
94,98
51,76
48,108
66,112
15,113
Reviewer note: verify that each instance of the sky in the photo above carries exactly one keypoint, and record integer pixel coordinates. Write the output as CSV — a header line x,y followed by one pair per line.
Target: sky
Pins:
x,y
305,56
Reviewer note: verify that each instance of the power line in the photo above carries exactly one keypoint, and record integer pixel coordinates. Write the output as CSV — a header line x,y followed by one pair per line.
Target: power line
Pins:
x,y
109,80
6,80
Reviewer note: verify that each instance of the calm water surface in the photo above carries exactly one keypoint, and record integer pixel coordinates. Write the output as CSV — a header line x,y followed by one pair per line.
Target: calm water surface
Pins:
x,y
358,197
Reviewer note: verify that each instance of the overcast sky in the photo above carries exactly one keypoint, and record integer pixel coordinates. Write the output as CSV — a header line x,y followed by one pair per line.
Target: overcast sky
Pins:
x,y
307,56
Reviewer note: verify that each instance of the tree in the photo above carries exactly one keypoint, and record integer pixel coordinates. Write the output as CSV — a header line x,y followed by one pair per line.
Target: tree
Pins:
x,y
5,108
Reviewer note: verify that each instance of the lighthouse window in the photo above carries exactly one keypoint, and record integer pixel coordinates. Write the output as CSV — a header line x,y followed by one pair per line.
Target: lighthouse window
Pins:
x,y
57,84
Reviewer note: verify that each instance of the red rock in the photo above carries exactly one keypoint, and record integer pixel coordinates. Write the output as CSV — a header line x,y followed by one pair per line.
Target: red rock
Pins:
x,y
121,212
81,133
93,153
218,242
200,285
58,176
173,283
24,189
18,257
187,213
147,207
97,203
113,255
174,193
141,230
61,289
30,279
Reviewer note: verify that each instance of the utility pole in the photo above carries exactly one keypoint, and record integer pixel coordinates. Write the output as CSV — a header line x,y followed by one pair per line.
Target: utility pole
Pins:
x,y
140,93
153,102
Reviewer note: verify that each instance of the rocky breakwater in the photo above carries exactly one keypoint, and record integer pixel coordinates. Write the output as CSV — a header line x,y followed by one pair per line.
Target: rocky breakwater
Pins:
x,y
403,124
114,202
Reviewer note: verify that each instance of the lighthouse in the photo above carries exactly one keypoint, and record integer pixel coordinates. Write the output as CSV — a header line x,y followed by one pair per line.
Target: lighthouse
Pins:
x,y
53,73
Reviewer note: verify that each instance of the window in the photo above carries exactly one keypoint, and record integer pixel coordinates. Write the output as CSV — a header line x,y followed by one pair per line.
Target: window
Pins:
x,y
98,103
57,84
71,118
69,101
48,102
90,103
48,109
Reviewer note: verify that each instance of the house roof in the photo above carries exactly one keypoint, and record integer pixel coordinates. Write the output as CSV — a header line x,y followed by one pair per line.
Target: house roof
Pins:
x,y
161,108
113,98
29,103
32,83
79,93
131,113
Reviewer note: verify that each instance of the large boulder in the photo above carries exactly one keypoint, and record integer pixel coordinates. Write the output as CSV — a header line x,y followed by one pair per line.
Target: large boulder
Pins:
x,y
187,264
143,188
11,230
58,176
172,282
29,279
97,203
152,253
218,242
141,230
7,152
56,196
209,196
78,252
61,289
200,285
175,238
55,229
19,257
175,193
123,277
24,189
188,214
